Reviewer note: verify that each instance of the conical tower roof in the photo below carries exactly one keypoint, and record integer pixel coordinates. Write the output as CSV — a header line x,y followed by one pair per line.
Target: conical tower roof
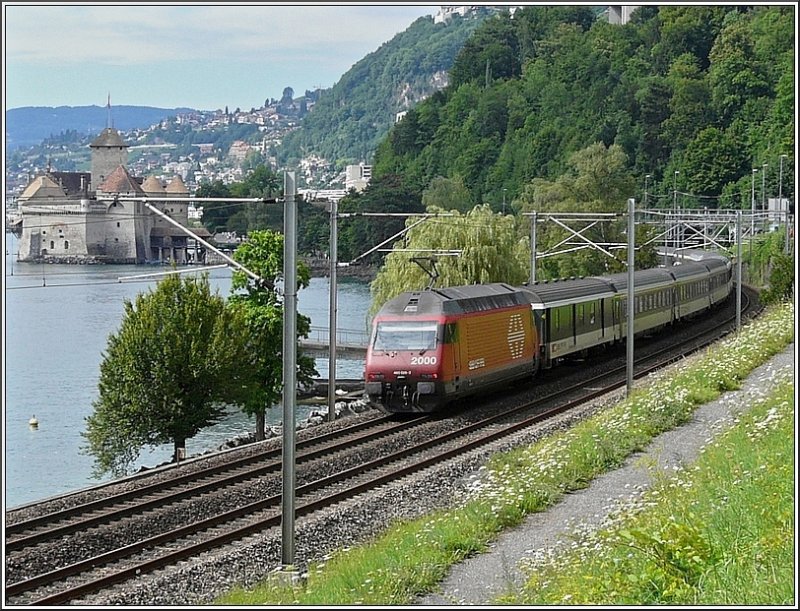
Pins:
x,y
109,137
120,181
153,186
177,187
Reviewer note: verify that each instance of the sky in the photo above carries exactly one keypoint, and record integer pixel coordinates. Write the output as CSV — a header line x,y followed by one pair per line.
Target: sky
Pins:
x,y
199,55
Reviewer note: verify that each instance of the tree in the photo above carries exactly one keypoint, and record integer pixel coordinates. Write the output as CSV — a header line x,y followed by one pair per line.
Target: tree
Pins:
x,y
598,182
261,182
734,75
712,160
166,374
689,108
216,214
261,306
493,44
389,193
490,252
448,193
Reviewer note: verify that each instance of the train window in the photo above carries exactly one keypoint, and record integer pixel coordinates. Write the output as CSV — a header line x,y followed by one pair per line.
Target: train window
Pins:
x,y
450,333
416,335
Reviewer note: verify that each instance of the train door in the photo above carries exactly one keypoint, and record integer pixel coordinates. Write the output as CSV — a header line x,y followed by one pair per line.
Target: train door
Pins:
x,y
453,346
576,316
673,298
603,321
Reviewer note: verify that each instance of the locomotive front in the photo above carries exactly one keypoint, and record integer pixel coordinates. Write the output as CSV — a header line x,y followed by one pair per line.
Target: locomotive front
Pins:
x,y
403,370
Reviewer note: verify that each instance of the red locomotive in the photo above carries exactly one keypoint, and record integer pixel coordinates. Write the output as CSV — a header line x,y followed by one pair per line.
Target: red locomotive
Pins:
x,y
430,347
433,346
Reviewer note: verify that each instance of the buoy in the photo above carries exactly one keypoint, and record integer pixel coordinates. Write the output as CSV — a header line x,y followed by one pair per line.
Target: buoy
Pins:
x,y
33,421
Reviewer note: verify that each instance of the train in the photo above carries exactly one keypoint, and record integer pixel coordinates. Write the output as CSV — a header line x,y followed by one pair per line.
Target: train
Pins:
x,y
429,348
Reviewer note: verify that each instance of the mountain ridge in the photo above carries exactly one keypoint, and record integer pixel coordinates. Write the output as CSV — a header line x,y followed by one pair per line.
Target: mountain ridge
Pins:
x,y
30,125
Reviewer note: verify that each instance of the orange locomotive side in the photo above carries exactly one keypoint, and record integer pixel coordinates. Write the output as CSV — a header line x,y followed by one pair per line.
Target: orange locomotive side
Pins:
x,y
494,347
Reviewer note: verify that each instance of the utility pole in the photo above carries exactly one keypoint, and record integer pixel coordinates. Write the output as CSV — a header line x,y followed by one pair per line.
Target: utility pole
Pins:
x,y
763,192
533,249
674,208
780,202
332,323
752,207
738,270
289,370
631,299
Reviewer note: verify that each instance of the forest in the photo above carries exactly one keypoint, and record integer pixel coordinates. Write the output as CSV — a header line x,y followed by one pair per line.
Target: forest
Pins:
x,y
695,97
351,118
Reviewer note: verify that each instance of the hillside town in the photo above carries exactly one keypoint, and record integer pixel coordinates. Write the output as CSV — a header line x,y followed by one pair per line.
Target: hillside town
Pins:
x,y
160,151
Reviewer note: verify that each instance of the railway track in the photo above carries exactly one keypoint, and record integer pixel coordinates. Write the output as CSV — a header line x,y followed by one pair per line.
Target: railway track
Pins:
x,y
412,446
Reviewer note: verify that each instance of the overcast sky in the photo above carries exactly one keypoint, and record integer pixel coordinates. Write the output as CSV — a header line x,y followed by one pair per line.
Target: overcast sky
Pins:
x,y
204,56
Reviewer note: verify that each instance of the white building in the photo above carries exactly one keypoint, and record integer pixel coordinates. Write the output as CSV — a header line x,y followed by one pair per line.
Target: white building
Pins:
x,y
357,176
620,14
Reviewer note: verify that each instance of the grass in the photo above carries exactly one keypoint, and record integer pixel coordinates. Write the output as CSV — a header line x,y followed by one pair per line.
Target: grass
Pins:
x,y
412,557
720,532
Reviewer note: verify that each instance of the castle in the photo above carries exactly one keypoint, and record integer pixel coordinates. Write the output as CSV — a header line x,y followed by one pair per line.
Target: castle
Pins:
x,y
101,216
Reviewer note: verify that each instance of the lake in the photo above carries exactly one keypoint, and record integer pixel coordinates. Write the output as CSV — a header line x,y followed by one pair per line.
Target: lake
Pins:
x,y
57,319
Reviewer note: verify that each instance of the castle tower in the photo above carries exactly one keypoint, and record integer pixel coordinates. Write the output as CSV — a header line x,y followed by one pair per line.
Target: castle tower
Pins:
x,y
178,210
124,232
108,153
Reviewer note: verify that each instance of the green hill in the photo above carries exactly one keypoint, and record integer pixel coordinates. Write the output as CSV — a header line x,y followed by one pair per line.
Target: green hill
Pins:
x,y
350,118
694,96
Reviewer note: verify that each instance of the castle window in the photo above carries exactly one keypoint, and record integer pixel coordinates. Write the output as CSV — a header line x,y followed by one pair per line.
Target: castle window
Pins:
x,y
116,239
66,244
117,223
52,244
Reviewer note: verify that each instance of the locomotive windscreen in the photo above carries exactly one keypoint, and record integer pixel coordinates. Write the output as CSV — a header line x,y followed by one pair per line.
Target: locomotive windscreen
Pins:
x,y
405,336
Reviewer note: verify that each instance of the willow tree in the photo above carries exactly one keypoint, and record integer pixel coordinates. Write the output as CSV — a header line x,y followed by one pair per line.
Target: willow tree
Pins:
x,y
477,247
166,374
261,305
